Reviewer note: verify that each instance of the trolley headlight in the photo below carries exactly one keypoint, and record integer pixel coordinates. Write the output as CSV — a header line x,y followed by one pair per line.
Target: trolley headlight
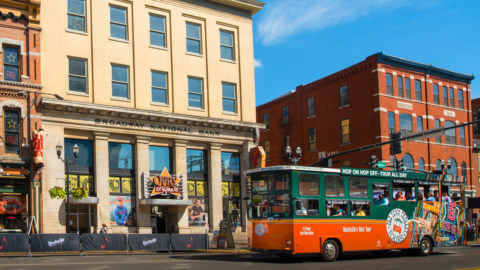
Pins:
x,y
288,242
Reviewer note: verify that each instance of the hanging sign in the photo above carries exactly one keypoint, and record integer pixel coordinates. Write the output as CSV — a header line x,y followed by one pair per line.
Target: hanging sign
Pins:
x,y
12,205
257,157
38,147
165,185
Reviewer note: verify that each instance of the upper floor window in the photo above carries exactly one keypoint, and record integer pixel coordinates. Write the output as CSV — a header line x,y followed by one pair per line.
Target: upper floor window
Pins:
x,y
312,139
266,120
76,15
437,125
160,157
389,84
77,75
400,86
11,64
286,142
227,50
405,123
343,96
159,87
460,99
311,106
436,95
267,150
462,135
120,156
285,115
418,90
391,122
194,39
345,131
450,136
195,92
451,95
445,96
229,97
408,91
118,22
120,80
157,31
12,131
419,123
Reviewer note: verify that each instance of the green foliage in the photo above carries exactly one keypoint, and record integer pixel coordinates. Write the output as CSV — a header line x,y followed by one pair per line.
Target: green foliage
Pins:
x,y
60,193
57,193
79,193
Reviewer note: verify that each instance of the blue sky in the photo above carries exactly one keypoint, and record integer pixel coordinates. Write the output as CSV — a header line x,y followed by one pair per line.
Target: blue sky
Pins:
x,y
300,41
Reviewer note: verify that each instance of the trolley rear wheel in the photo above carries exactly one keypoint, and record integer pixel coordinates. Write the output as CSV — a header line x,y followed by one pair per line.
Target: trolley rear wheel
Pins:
x,y
426,246
331,250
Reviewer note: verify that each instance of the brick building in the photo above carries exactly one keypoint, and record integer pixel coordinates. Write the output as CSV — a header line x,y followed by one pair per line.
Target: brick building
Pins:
x,y
362,105
19,99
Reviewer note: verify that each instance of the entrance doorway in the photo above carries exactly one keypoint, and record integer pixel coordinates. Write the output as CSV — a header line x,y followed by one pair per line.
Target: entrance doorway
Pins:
x,y
82,218
161,221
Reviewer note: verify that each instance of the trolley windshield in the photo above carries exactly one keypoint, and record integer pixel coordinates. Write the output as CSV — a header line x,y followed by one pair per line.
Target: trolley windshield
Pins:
x,y
270,195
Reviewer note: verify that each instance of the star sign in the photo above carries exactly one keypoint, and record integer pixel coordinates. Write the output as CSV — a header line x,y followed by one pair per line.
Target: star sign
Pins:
x,y
11,123
12,58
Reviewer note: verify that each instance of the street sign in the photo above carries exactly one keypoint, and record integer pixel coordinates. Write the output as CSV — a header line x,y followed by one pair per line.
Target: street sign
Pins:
x,y
381,164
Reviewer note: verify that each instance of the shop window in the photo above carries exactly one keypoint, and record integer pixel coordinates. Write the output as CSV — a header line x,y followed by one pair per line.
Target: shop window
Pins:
x,y
231,188
12,131
76,15
381,194
334,186
359,208
227,47
81,172
308,184
358,187
408,91
11,64
197,176
120,156
306,207
118,22
160,157
336,208
157,30
403,190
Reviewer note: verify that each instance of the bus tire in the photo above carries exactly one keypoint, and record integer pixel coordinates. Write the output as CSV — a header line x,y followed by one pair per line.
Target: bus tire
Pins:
x,y
426,246
331,250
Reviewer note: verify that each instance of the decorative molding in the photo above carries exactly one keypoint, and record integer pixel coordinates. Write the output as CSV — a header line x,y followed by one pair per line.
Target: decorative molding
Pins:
x,y
12,104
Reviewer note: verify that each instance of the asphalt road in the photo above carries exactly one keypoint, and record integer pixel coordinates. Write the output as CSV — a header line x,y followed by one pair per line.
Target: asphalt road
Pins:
x,y
454,258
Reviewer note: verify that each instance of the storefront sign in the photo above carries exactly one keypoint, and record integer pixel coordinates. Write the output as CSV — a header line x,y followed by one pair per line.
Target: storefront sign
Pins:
x,y
257,157
157,127
12,205
165,185
38,147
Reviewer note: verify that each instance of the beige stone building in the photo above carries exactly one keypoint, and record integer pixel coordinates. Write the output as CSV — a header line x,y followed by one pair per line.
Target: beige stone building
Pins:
x,y
144,86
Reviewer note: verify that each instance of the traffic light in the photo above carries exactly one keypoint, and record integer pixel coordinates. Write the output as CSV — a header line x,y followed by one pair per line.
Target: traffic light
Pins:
x,y
400,165
395,147
373,161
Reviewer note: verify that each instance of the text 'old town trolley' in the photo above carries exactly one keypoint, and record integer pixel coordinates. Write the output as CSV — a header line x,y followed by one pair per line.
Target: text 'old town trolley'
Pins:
x,y
295,210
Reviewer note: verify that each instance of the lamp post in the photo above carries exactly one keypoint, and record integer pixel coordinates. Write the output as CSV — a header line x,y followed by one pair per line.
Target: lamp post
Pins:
x,y
67,161
298,151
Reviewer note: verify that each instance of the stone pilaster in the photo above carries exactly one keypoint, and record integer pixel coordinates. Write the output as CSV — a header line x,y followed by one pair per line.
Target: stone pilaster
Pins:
x,y
180,167
244,165
215,204
102,179
142,165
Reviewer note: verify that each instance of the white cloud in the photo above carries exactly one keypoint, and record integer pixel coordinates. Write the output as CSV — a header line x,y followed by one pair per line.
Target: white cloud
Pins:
x,y
257,63
282,18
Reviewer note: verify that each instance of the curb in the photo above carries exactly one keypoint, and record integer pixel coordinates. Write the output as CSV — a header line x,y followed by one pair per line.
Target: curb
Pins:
x,y
225,251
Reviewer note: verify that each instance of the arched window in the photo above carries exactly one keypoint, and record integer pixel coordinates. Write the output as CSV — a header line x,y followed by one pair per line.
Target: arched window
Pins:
x,y
438,165
421,164
453,168
464,170
347,163
408,161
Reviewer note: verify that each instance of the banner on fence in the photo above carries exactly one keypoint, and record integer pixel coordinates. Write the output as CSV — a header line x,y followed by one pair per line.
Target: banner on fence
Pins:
x,y
54,242
153,242
96,242
13,242
181,242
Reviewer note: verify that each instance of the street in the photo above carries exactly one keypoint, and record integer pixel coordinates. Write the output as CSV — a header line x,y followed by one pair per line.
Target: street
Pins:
x,y
452,258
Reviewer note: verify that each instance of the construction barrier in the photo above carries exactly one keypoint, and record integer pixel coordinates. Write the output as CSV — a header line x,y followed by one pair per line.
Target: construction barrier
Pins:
x,y
151,242
98,242
13,242
184,242
54,242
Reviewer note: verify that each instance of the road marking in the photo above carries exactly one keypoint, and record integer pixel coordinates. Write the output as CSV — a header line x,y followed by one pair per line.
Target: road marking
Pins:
x,y
182,266
83,263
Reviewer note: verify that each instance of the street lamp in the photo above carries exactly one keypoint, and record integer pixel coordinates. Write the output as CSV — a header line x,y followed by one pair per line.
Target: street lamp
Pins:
x,y
298,151
67,161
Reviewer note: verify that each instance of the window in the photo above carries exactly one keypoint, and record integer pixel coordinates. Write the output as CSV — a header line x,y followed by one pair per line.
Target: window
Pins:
x,y
445,96
312,139
452,171
12,131
403,191
419,123
421,164
462,135
408,162
195,92
77,75
418,90
159,87
229,97
194,39
118,22
308,184
451,95
306,207
231,187
381,194
76,15
334,186
464,171
408,91
347,163
391,123
267,150
359,208
197,176
400,86
157,31
286,142
120,156
436,97
437,125
285,115
406,123
450,136
311,106
460,99
389,84
336,208
227,50
11,64
343,96
160,157
345,131
197,165
358,187
231,166
81,172
120,76
266,120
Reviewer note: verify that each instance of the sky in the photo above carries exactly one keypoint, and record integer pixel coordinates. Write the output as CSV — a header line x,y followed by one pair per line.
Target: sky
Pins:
x,y
300,41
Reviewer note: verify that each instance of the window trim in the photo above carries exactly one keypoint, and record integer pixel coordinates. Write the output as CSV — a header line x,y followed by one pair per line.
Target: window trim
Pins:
x,y
436,98
117,23
195,93
199,40
78,76
18,132
157,31
227,46
235,109
418,92
85,30
451,97
120,82
400,90
159,88
389,87
460,102
19,61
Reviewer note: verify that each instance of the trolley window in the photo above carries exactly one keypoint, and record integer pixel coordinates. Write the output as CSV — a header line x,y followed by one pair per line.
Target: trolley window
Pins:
x,y
334,186
336,208
381,194
308,184
306,207
358,187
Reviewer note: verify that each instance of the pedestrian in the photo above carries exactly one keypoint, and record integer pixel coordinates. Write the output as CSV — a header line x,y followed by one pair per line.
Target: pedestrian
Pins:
x,y
104,228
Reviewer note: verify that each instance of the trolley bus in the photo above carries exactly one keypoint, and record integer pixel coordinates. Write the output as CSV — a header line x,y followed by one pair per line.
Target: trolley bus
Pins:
x,y
294,210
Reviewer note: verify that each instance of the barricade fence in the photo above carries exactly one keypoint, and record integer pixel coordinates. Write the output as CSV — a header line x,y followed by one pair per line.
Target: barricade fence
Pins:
x,y
72,242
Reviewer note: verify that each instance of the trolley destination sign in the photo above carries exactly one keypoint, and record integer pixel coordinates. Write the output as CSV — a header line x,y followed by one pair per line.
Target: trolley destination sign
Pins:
x,y
383,174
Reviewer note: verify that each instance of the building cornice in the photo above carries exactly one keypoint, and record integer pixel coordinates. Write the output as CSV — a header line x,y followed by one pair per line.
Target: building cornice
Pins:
x,y
131,113
253,6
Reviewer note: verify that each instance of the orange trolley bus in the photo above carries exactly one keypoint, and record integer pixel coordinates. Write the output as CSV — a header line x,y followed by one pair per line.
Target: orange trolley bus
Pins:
x,y
294,210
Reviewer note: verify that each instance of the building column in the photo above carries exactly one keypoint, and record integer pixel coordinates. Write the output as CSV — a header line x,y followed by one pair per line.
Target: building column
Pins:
x,y
244,165
180,169
102,174
142,166
215,203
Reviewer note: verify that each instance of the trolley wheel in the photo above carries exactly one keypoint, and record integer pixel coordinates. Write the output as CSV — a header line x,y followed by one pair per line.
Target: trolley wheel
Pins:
x,y
426,246
331,250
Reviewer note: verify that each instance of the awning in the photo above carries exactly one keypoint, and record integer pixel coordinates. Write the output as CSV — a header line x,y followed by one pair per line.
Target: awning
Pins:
x,y
165,202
